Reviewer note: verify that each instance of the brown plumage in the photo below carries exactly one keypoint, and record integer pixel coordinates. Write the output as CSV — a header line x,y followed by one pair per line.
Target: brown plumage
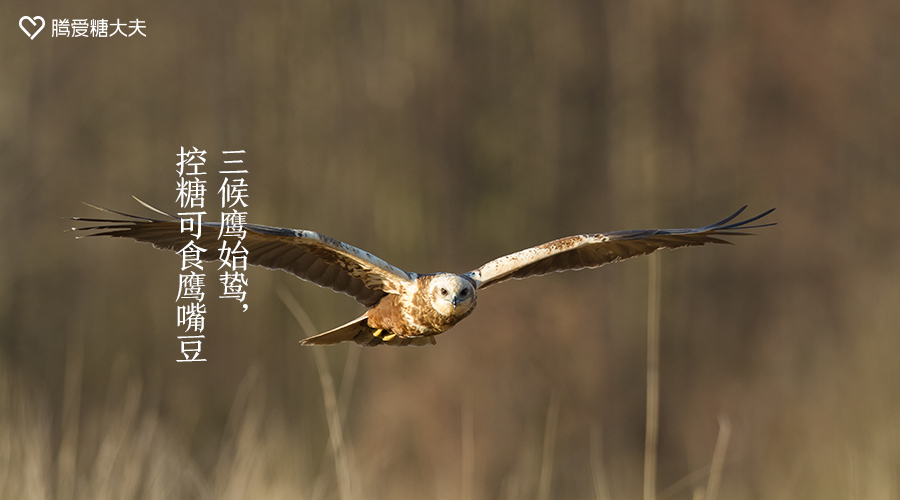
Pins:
x,y
409,308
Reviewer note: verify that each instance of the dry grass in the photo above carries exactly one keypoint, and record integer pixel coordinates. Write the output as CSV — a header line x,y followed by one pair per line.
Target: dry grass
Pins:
x,y
125,452
335,424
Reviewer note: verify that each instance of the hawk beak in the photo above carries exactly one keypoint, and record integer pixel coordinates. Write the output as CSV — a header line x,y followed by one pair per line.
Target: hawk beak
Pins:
x,y
455,300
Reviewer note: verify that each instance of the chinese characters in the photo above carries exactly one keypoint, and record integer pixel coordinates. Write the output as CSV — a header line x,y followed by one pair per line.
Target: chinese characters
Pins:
x,y
234,192
191,195
97,28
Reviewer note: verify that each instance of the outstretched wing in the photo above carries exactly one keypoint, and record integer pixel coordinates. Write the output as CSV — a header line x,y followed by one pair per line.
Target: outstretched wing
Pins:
x,y
594,250
311,256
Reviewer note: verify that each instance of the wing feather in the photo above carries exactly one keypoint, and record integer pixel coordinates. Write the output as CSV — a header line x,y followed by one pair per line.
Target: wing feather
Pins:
x,y
594,250
306,254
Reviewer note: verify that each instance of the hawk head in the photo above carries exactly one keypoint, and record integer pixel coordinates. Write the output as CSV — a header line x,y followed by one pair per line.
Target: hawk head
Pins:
x,y
451,295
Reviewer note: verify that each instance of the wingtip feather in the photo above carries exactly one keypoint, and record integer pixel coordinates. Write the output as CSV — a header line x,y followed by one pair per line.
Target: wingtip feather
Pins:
x,y
729,218
723,227
151,207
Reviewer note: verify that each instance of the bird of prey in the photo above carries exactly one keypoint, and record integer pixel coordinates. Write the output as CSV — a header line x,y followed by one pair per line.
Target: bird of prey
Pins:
x,y
406,308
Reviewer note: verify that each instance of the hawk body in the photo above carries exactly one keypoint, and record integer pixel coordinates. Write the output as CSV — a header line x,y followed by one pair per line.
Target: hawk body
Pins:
x,y
412,317
407,308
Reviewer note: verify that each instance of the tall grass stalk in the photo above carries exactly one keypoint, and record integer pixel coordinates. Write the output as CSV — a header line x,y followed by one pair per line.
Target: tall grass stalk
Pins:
x,y
549,448
683,483
598,468
335,428
346,389
654,293
718,460
71,411
238,455
467,489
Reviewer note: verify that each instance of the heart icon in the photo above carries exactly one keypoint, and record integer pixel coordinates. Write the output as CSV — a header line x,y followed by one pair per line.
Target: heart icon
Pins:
x,y
33,23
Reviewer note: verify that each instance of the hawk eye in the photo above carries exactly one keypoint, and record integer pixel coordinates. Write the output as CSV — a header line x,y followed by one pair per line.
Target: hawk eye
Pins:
x,y
464,292
443,291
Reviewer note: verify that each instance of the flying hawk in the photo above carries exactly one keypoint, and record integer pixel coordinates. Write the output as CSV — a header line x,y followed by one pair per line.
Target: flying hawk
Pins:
x,y
407,308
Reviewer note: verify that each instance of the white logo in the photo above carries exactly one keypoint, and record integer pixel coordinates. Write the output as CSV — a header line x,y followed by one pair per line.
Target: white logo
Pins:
x,y
33,23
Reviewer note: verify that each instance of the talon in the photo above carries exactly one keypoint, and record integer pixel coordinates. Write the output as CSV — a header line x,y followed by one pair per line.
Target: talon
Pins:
x,y
387,338
377,332
432,340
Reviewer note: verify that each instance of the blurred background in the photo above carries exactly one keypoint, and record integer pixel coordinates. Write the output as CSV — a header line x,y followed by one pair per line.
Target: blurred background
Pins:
x,y
439,135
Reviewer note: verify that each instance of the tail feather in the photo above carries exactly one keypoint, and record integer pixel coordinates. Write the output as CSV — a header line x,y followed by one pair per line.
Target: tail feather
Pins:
x,y
343,333
360,332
